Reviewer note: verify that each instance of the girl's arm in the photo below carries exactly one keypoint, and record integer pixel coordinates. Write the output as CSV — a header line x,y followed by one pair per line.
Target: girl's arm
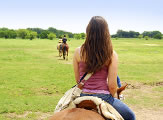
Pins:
x,y
76,64
112,74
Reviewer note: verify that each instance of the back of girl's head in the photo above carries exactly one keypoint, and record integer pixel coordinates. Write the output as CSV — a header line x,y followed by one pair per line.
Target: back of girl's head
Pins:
x,y
97,49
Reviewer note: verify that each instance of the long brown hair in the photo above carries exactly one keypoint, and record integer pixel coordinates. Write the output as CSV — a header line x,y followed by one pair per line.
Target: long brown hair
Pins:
x,y
97,49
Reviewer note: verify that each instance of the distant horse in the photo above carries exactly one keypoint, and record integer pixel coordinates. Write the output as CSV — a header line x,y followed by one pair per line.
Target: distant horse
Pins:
x,y
59,47
65,48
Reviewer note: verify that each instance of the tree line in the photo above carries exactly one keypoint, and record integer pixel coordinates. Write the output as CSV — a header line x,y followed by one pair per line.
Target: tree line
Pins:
x,y
51,33
133,34
32,33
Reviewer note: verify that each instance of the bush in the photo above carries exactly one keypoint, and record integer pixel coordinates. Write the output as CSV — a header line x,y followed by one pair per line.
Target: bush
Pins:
x,y
31,35
51,36
146,37
116,38
140,36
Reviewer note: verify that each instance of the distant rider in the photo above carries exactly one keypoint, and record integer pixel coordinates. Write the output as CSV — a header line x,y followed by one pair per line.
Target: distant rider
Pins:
x,y
64,39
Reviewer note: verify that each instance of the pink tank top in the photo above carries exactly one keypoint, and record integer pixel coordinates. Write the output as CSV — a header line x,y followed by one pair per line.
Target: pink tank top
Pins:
x,y
97,83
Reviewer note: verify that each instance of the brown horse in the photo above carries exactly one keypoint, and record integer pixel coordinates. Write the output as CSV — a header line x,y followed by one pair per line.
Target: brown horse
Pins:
x,y
65,48
76,114
83,114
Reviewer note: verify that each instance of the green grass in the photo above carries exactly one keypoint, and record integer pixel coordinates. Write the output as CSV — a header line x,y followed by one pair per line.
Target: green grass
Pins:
x,y
33,77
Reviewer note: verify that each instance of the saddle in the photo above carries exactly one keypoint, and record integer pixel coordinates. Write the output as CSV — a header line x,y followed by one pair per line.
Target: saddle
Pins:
x,y
98,105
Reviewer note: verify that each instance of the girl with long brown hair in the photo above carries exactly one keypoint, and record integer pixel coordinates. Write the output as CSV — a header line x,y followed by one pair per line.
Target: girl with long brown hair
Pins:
x,y
97,56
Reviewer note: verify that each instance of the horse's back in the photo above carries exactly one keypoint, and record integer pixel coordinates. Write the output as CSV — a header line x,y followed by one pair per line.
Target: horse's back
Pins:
x,y
76,114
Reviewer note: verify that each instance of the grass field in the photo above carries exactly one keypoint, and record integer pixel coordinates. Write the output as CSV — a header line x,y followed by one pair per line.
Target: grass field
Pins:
x,y
33,77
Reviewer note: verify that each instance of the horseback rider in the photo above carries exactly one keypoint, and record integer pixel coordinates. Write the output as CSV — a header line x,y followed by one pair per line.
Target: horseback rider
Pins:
x,y
97,56
64,39
65,47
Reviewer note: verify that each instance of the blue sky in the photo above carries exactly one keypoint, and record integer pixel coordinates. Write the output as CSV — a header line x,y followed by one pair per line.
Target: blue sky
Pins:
x,y
74,15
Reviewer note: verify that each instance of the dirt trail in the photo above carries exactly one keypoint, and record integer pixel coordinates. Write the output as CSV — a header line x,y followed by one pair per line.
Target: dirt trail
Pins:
x,y
148,114
145,90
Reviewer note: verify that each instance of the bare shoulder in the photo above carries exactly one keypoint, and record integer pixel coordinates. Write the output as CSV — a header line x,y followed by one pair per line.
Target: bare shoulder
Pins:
x,y
77,49
115,55
77,53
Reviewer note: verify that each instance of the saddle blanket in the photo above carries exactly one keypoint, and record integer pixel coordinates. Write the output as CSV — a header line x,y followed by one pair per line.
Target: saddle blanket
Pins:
x,y
103,107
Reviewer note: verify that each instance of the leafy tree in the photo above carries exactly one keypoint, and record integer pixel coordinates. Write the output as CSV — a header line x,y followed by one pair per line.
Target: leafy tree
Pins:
x,y
51,36
70,35
157,33
38,30
114,36
22,33
12,34
133,34
158,36
60,33
83,35
126,34
53,30
77,36
44,34
120,33
31,35
7,33
151,34
146,33
2,34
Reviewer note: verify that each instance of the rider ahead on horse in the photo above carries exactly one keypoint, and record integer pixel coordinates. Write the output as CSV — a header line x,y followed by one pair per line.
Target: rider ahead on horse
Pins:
x,y
64,39
65,47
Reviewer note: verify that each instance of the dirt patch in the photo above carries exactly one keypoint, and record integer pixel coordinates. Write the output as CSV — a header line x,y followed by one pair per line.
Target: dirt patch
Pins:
x,y
147,102
46,91
38,115
147,114
68,63
144,85
159,84
151,44
130,86
14,115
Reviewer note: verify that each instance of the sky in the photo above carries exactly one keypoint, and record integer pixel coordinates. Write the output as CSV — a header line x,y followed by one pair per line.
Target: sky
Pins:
x,y
74,15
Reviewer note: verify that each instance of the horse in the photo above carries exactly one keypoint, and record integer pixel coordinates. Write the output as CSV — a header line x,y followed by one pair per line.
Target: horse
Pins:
x,y
86,110
59,47
65,48
76,114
